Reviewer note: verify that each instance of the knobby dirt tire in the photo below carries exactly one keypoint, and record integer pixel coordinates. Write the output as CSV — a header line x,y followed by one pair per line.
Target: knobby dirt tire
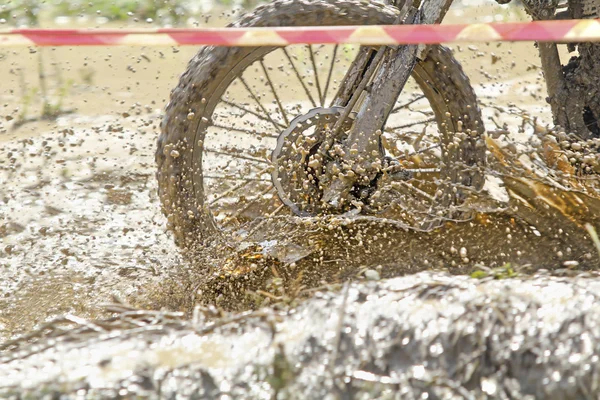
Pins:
x,y
192,102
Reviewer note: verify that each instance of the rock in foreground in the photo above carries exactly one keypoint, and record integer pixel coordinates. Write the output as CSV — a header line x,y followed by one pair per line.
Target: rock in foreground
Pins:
x,y
447,336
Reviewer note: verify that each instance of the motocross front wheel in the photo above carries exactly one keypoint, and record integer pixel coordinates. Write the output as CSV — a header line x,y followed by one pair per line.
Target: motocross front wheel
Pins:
x,y
234,106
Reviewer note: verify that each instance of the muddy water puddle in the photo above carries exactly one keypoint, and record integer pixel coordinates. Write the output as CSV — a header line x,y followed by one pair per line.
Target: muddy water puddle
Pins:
x,y
80,220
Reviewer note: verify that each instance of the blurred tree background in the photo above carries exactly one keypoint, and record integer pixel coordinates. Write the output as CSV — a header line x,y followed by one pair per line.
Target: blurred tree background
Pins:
x,y
161,12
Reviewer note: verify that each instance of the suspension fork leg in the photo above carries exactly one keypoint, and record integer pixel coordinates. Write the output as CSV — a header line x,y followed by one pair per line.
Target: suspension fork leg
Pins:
x,y
363,146
389,81
555,83
363,149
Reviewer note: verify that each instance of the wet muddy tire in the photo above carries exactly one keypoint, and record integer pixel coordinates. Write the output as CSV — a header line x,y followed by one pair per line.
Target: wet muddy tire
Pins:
x,y
583,91
179,153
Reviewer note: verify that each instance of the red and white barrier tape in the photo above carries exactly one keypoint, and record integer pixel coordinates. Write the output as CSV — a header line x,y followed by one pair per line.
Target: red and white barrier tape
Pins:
x,y
552,31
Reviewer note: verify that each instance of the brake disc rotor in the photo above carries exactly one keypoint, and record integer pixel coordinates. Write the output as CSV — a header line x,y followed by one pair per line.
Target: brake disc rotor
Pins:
x,y
297,168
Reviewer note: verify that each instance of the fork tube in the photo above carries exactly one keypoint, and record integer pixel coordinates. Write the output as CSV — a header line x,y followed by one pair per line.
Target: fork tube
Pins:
x,y
380,100
363,142
554,78
397,65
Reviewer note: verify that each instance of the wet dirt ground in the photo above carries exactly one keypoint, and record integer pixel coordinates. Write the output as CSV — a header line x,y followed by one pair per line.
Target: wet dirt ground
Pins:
x,y
80,217
80,221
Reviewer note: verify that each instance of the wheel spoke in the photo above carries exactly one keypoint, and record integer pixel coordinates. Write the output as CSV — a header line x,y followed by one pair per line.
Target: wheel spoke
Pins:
x,y
260,105
236,187
414,153
261,223
257,115
425,171
329,74
242,130
277,210
410,124
233,178
281,110
400,107
240,156
257,198
418,191
314,66
590,124
421,151
299,78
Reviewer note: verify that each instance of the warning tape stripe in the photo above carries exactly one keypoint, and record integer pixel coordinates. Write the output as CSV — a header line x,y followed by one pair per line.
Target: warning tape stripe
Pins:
x,y
555,31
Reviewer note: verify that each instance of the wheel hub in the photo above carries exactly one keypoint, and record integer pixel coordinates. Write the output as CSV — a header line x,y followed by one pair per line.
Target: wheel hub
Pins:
x,y
299,171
